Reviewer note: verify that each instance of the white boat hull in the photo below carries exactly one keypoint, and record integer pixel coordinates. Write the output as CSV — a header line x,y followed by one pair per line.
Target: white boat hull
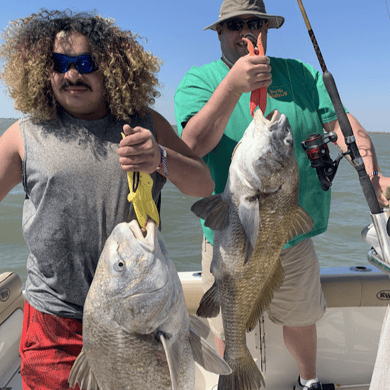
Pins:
x,y
11,317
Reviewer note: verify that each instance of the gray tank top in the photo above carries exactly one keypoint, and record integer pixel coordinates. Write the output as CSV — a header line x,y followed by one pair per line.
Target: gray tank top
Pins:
x,y
76,193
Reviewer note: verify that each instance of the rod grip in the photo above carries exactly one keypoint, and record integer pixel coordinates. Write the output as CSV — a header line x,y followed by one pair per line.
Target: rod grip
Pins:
x,y
346,129
369,193
330,86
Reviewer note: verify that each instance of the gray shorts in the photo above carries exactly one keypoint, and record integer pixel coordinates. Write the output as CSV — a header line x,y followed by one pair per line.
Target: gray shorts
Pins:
x,y
298,302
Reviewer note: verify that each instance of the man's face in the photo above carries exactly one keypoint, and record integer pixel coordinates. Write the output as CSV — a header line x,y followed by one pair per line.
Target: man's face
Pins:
x,y
232,45
81,95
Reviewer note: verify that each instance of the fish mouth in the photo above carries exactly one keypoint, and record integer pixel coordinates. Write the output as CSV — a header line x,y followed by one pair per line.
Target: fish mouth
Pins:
x,y
146,238
145,235
272,120
273,116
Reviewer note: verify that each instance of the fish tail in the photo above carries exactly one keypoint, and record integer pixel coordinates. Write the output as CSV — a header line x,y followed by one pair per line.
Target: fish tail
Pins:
x,y
245,376
209,304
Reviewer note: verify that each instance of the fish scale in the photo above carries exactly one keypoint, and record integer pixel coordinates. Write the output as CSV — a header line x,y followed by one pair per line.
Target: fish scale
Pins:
x,y
148,367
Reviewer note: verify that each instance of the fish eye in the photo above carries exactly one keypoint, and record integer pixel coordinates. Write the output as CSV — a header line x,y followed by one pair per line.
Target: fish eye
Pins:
x,y
119,266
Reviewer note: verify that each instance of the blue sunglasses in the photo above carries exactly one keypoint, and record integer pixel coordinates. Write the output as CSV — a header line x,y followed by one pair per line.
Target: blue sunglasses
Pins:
x,y
84,63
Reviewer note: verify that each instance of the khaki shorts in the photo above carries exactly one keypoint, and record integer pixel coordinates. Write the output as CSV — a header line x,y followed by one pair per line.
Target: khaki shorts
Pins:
x,y
298,302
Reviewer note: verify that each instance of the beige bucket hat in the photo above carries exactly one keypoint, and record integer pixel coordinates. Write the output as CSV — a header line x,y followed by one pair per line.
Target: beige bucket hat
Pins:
x,y
231,8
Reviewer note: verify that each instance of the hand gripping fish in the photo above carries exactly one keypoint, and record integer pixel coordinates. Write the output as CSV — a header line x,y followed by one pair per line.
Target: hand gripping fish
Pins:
x,y
140,186
255,216
258,96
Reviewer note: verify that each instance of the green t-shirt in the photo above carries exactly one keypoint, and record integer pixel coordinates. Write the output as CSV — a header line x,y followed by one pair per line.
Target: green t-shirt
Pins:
x,y
297,90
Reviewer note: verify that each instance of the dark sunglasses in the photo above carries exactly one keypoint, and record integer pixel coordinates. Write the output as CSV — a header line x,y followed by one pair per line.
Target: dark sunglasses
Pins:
x,y
84,63
236,24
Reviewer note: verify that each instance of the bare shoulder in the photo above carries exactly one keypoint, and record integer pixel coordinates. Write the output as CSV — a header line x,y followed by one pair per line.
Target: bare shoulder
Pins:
x,y
163,129
11,141
11,156
166,135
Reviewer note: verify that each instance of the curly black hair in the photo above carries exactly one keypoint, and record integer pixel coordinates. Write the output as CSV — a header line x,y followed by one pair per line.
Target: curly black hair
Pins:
x,y
129,71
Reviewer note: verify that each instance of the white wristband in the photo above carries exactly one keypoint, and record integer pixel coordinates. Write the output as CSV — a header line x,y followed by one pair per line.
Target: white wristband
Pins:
x,y
163,162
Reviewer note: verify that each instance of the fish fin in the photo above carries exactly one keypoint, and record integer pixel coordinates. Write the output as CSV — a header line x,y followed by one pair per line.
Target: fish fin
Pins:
x,y
173,351
81,374
302,224
199,326
249,215
209,304
206,356
246,375
214,210
248,251
272,282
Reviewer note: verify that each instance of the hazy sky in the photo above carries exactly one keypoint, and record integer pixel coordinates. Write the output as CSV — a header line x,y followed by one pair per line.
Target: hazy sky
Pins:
x,y
354,36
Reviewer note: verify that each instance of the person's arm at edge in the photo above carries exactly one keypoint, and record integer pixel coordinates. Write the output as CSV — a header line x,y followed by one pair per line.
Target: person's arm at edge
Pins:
x,y
140,151
367,152
186,171
11,155
204,130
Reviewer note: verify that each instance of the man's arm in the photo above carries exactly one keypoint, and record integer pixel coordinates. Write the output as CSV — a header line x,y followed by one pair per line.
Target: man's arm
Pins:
x,y
205,129
367,151
11,155
140,151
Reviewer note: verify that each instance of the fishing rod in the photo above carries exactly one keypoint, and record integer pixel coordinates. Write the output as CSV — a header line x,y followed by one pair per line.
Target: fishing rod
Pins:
x,y
379,217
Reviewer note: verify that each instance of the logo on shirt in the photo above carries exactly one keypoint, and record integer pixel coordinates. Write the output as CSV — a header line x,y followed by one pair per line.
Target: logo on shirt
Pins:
x,y
277,92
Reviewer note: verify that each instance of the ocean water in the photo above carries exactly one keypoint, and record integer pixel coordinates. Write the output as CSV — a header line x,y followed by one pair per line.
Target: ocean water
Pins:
x,y
340,246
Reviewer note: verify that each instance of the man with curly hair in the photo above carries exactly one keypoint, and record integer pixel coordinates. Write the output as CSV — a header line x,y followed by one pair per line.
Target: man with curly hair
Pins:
x,y
82,81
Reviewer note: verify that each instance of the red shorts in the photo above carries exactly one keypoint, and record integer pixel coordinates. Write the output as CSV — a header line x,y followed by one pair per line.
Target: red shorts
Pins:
x,y
48,348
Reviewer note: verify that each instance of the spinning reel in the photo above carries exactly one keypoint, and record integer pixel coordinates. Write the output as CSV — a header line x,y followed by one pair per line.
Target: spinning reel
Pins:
x,y
318,153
